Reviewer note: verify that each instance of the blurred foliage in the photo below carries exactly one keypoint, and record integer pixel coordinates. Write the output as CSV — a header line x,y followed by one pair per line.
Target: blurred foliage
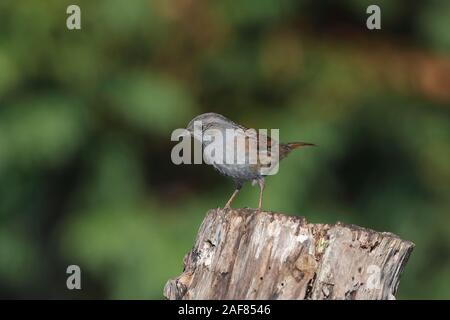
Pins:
x,y
86,118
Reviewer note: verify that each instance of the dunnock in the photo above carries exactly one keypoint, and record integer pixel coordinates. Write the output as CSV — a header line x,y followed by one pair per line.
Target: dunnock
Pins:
x,y
241,172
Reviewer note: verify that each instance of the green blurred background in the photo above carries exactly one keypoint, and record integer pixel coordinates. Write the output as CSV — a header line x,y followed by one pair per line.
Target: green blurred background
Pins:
x,y
86,118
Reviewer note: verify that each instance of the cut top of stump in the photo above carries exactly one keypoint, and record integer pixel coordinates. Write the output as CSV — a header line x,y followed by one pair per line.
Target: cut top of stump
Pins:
x,y
247,254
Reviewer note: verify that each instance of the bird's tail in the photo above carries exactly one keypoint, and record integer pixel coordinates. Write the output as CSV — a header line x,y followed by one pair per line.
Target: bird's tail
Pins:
x,y
294,145
286,148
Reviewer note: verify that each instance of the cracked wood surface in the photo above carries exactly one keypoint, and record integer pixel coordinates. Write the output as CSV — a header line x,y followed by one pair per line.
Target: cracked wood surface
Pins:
x,y
245,254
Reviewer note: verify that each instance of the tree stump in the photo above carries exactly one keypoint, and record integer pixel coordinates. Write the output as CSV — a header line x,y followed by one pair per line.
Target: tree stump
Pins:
x,y
246,254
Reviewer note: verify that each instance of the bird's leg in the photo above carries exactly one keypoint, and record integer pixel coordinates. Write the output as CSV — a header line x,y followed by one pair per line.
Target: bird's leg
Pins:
x,y
261,189
236,191
228,204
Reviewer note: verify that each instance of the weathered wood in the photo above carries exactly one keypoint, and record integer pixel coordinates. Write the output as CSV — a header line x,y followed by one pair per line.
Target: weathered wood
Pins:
x,y
245,254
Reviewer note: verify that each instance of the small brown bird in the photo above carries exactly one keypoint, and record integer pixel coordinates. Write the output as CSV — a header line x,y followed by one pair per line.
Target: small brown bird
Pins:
x,y
247,171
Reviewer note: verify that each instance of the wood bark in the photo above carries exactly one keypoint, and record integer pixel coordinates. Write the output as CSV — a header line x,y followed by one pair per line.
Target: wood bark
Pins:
x,y
246,254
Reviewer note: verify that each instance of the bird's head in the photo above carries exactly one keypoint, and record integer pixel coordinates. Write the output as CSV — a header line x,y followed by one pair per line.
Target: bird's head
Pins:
x,y
209,120
198,125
